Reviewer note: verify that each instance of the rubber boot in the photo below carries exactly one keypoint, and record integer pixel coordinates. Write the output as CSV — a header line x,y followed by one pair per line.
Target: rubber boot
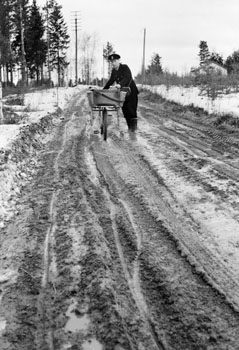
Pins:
x,y
133,124
128,123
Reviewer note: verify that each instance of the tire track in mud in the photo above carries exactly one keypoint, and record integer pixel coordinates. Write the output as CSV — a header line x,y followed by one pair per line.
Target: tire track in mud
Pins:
x,y
30,297
102,254
191,166
195,122
74,211
21,251
199,142
49,256
121,186
48,339
216,179
52,259
118,226
162,204
133,276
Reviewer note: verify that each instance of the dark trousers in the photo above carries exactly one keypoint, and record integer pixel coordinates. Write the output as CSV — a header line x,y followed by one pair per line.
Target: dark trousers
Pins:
x,y
130,107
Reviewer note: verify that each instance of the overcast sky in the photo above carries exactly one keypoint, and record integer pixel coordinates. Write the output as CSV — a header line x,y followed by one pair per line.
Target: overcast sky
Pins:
x,y
174,28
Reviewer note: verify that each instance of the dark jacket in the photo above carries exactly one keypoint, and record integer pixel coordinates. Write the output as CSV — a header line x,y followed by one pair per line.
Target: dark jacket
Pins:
x,y
123,77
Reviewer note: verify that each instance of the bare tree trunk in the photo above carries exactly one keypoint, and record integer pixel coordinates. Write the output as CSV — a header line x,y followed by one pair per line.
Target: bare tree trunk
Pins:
x,y
23,67
11,74
41,74
48,44
7,73
88,56
58,69
1,113
0,66
11,64
38,75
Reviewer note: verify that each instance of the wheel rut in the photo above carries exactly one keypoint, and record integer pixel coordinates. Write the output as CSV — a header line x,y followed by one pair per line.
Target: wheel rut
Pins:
x,y
121,186
110,258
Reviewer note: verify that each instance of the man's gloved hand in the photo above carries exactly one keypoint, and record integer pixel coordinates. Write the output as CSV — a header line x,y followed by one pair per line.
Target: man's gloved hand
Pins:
x,y
118,86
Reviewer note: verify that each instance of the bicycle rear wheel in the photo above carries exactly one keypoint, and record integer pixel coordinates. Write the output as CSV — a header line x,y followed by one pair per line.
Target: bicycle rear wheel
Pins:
x,y
104,124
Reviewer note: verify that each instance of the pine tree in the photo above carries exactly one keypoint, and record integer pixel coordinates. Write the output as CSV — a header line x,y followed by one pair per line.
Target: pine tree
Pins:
x,y
215,57
58,40
6,32
36,46
4,15
204,53
108,50
20,19
48,8
232,62
155,67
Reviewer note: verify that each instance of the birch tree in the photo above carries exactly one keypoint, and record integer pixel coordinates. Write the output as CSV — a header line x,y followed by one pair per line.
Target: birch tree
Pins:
x,y
88,46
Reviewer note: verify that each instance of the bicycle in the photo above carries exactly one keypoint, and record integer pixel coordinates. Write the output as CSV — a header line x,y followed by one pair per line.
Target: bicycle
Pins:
x,y
103,101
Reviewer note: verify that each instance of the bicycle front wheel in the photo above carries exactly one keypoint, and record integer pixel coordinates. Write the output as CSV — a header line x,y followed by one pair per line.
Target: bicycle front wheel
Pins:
x,y
104,124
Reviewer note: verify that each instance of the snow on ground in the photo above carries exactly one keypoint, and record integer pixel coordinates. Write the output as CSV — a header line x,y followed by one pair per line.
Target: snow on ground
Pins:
x,y
222,104
8,133
37,104
19,142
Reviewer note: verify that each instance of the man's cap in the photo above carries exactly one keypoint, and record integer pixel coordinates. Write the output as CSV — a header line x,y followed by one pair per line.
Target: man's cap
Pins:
x,y
113,56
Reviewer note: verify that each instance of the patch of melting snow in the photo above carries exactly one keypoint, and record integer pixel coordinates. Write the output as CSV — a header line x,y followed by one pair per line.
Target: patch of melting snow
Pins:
x,y
76,323
186,96
8,133
3,324
92,344
6,275
217,221
93,170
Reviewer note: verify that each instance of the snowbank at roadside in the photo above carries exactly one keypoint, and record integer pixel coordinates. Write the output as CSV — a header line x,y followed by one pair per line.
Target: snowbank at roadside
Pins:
x,y
8,133
222,104
20,143
37,104
49,99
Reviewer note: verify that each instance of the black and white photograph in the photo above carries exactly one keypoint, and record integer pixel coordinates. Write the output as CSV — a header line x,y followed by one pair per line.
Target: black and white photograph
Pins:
x,y
119,168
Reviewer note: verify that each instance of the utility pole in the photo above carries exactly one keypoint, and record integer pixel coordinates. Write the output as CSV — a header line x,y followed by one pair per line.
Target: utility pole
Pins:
x,y
76,51
143,63
76,27
103,67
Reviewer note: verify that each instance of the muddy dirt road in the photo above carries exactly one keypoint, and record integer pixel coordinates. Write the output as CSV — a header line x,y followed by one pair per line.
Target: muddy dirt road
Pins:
x,y
129,244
